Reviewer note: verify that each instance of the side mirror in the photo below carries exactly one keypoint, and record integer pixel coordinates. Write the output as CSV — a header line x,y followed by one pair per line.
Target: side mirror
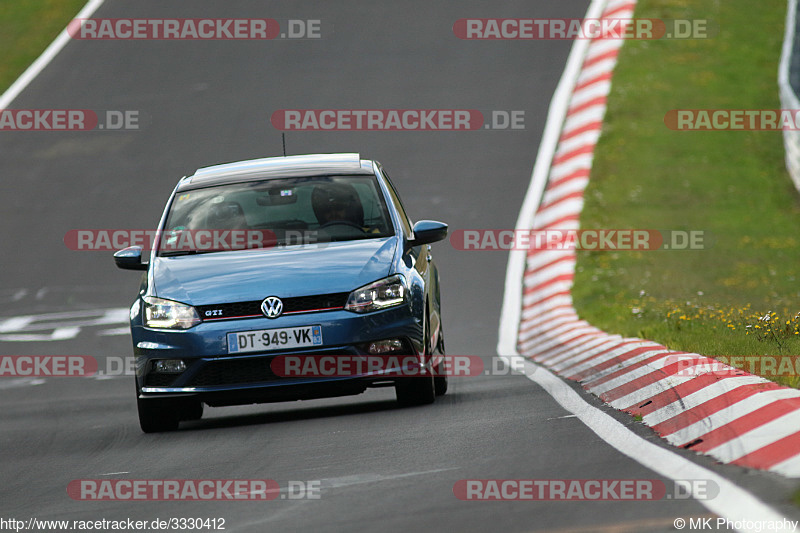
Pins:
x,y
428,231
130,258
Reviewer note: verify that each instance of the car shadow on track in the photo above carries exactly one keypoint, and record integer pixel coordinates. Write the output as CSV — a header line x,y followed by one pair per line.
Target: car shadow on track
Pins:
x,y
290,414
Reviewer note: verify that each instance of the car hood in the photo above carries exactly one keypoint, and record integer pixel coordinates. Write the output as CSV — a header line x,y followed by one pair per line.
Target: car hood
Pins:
x,y
247,275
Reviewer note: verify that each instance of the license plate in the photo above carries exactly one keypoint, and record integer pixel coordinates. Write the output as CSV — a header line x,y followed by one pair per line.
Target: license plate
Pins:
x,y
274,339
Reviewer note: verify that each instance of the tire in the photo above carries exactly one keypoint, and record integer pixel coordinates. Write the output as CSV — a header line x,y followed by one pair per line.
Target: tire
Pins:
x,y
440,381
157,415
417,390
192,411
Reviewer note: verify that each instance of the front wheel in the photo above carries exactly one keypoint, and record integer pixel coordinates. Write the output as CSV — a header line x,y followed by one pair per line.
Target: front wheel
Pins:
x,y
158,414
415,390
440,381
192,411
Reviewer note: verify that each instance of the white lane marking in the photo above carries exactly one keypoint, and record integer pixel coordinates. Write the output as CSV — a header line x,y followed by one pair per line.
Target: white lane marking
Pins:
x,y
65,333
114,315
58,334
358,479
562,417
19,382
43,60
65,325
16,323
114,331
84,318
732,502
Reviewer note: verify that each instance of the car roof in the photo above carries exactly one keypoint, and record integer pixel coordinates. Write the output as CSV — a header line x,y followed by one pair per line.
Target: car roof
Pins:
x,y
277,167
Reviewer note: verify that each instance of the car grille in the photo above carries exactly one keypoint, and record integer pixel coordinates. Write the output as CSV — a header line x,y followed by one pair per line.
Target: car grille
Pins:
x,y
233,372
299,304
159,380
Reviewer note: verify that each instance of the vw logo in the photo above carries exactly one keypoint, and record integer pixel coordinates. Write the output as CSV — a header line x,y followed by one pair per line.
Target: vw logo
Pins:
x,y
272,307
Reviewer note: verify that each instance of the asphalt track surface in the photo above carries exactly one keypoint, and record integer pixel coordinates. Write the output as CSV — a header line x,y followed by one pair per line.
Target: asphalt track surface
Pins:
x,y
202,103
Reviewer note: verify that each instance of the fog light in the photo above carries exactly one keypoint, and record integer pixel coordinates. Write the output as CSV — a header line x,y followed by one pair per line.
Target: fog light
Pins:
x,y
169,366
384,347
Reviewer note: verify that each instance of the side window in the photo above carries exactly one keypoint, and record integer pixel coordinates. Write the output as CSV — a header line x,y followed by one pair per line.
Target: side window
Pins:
x,y
396,201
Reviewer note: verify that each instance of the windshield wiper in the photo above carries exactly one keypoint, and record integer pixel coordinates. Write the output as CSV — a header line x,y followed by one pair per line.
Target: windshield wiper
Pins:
x,y
174,253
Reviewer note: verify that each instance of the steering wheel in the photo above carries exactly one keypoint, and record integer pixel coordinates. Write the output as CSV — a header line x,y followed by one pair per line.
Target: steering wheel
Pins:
x,y
342,223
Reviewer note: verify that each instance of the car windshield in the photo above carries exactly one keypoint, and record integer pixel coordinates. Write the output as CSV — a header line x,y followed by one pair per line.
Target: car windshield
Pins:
x,y
276,212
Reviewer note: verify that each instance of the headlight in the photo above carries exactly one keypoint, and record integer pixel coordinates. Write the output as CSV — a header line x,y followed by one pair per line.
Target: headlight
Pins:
x,y
379,295
166,314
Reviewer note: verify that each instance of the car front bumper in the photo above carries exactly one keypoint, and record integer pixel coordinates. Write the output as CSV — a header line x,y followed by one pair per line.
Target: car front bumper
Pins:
x,y
217,377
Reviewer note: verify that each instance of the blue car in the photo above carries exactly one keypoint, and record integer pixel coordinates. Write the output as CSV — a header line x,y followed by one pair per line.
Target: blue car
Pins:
x,y
284,278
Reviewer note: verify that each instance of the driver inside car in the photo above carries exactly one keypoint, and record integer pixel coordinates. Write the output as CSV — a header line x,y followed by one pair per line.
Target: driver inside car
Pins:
x,y
337,203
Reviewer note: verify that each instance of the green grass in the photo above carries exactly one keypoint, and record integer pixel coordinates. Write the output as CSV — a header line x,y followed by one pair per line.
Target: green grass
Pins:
x,y
27,27
732,185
